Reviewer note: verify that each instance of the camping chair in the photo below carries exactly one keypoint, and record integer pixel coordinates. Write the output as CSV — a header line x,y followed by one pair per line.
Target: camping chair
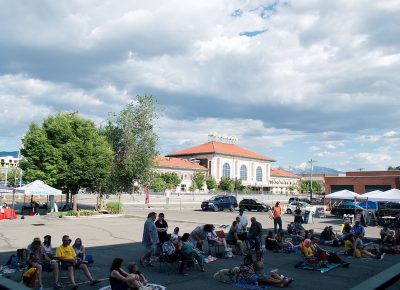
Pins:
x,y
311,261
214,245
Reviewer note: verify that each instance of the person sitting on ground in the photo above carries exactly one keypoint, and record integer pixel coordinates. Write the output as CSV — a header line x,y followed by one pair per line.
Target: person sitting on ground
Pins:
x,y
248,275
254,234
328,237
359,230
258,264
171,251
162,228
347,230
175,234
80,252
271,243
354,247
38,258
199,235
47,246
213,239
190,252
233,239
389,242
66,254
134,269
311,250
120,279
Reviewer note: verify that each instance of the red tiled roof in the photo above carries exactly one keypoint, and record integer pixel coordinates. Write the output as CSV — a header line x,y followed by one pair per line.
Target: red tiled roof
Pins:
x,y
171,162
220,148
282,173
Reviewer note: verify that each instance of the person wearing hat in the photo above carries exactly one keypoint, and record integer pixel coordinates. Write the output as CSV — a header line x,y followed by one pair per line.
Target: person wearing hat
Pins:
x,y
276,211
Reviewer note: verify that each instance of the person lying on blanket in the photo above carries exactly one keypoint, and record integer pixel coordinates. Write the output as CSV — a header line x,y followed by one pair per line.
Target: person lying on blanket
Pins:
x,y
311,250
248,275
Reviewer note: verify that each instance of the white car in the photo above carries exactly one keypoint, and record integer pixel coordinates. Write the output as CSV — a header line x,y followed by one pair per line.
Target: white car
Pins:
x,y
303,207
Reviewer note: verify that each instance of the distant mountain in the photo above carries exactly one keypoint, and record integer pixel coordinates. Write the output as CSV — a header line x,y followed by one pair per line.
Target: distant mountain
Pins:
x,y
9,153
306,170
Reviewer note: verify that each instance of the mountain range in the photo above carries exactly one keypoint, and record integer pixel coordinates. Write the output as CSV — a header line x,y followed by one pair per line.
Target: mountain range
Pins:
x,y
306,170
9,153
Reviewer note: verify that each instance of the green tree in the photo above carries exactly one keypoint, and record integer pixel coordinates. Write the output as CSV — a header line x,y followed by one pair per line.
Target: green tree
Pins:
x,y
305,186
171,179
131,135
13,176
211,183
159,184
224,183
199,179
67,152
193,187
294,187
238,184
231,186
393,168
247,190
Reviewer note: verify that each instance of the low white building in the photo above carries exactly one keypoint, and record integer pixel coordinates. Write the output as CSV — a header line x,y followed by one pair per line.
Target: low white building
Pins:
x,y
281,180
183,168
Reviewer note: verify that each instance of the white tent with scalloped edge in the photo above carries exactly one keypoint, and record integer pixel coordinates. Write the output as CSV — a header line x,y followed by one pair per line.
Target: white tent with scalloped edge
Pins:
x,y
37,187
392,195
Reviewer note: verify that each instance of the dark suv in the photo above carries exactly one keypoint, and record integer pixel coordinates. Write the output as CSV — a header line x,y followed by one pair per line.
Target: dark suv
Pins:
x,y
346,208
220,202
388,209
253,204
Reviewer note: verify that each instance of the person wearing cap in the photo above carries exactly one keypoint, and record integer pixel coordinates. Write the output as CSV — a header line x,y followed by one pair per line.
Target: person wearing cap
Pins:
x,y
276,211
150,239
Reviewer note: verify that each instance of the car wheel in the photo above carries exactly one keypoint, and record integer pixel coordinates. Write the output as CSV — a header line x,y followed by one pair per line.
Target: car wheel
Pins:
x,y
204,209
216,208
231,208
289,211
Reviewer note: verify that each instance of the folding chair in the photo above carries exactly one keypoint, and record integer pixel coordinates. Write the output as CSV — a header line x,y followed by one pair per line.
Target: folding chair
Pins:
x,y
214,245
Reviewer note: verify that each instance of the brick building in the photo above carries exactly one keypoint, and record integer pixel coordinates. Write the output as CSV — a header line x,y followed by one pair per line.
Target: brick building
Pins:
x,y
363,181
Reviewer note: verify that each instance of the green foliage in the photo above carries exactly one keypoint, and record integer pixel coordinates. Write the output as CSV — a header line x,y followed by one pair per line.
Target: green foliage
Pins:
x,y
294,187
193,187
305,186
159,184
238,184
13,176
67,152
114,207
88,212
131,135
393,168
171,179
71,213
199,179
211,183
231,186
247,190
224,183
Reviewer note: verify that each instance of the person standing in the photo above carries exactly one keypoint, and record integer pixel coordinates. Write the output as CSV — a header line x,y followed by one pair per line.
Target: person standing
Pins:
x,y
298,218
242,225
254,235
276,215
150,239
162,228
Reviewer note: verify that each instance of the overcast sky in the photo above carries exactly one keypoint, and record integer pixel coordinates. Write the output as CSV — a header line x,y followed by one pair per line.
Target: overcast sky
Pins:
x,y
293,80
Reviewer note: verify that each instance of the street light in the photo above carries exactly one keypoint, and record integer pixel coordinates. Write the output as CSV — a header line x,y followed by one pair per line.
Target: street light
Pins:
x,y
311,172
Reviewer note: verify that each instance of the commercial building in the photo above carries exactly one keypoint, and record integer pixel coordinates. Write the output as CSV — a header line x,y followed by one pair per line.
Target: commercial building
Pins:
x,y
281,181
363,181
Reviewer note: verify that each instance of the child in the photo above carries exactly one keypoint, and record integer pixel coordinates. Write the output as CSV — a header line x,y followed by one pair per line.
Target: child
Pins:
x,y
134,269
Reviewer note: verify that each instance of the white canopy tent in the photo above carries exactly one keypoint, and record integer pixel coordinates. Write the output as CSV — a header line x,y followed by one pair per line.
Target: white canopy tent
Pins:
x,y
344,194
392,195
372,194
37,187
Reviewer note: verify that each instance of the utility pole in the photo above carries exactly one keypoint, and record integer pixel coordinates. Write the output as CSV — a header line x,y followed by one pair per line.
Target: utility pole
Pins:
x,y
311,172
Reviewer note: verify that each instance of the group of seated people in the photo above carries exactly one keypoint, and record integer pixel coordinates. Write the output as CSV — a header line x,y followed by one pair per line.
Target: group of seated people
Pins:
x,y
40,256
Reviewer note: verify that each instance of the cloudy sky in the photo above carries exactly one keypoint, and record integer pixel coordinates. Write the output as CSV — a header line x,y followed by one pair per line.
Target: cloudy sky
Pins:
x,y
293,80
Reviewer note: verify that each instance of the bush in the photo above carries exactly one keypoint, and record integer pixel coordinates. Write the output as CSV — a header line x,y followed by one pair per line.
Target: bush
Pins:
x,y
114,207
88,212
71,213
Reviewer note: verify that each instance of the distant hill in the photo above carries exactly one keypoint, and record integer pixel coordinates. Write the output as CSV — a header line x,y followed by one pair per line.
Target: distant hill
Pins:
x,y
9,153
306,170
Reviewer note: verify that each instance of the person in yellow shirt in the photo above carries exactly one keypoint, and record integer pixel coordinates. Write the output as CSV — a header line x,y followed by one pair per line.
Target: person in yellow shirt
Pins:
x,y
66,254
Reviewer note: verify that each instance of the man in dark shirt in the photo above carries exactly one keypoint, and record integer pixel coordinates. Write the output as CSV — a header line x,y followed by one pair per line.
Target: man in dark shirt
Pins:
x,y
254,234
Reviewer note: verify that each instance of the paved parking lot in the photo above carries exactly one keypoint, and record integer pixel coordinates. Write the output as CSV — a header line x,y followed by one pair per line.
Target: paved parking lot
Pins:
x,y
109,237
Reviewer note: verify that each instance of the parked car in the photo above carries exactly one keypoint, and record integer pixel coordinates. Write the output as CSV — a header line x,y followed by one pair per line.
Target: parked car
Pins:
x,y
345,208
297,199
303,207
220,202
253,204
388,209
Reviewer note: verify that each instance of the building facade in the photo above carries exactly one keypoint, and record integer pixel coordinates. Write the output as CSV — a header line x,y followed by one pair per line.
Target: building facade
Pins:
x,y
364,181
281,181
231,161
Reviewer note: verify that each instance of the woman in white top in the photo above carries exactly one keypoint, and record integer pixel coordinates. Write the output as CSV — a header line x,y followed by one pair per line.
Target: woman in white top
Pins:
x,y
47,246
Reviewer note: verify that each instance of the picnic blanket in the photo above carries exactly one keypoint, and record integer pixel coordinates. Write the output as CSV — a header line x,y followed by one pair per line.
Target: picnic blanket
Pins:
x,y
148,285
244,285
306,266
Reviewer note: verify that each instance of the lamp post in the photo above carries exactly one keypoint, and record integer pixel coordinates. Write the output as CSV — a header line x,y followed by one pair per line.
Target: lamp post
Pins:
x,y
311,172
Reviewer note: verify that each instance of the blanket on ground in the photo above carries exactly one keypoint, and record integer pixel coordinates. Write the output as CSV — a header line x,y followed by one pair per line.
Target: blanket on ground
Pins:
x,y
306,266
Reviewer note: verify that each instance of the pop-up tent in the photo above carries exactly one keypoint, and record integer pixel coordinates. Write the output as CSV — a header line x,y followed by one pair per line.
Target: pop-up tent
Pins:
x,y
344,194
371,194
5,189
392,195
37,187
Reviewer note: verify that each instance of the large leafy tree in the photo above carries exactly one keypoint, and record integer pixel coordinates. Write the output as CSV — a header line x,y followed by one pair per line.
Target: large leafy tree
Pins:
x,y
199,178
211,183
67,152
131,135
305,186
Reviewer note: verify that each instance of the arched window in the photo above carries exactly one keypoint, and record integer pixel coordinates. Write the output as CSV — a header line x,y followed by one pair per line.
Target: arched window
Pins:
x,y
226,170
259,174
243,172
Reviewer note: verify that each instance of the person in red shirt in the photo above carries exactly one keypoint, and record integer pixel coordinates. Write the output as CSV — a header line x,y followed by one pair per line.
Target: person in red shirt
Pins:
x,y
276,215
